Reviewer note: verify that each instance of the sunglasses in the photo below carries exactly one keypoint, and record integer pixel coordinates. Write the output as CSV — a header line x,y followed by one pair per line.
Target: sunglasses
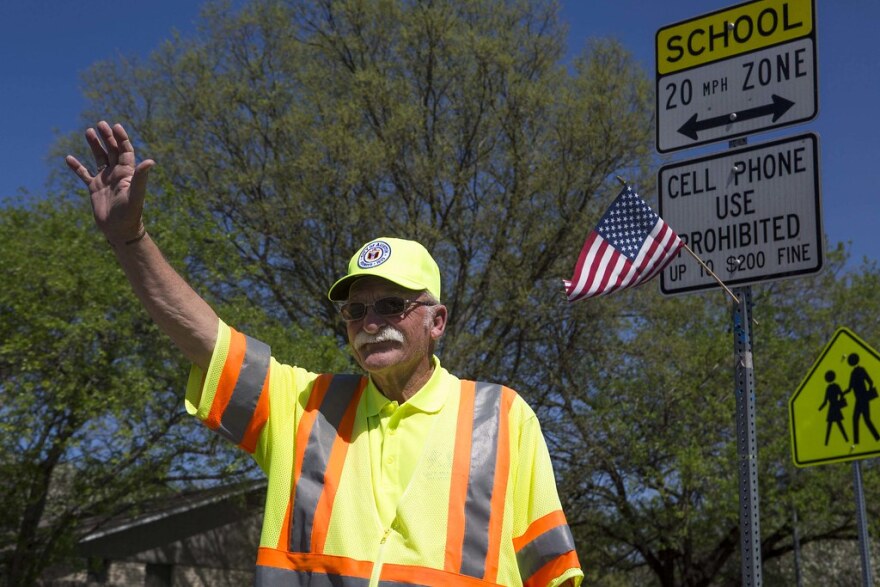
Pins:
x,y
387,307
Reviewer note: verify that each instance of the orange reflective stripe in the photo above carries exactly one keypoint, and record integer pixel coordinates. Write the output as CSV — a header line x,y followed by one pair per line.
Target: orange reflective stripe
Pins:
x,y
284,536
344,568
538,527
314,563
261,415
551,570
334,470
413,575
461,463
228,378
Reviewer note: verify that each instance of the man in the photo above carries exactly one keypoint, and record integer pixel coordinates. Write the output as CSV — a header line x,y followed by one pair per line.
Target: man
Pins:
x,y
408,476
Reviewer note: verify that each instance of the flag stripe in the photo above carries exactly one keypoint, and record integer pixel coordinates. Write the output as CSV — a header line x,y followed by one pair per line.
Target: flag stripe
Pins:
x,y
581,276
664,254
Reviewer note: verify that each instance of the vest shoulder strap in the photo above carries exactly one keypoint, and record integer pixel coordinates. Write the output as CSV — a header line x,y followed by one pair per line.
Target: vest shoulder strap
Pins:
x,y
322,441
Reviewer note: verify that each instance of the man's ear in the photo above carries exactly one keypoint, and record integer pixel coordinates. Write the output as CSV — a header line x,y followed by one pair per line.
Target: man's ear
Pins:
x,y
438,323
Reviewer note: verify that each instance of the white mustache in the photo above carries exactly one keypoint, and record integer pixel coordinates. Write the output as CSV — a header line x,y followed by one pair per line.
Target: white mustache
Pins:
x,y
387,334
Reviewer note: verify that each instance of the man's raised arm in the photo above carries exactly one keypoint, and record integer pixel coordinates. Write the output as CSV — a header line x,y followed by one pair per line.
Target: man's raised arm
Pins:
x,y
117,190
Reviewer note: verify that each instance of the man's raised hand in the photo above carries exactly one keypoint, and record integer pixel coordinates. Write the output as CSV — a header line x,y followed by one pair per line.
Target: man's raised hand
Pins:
x,y
118,185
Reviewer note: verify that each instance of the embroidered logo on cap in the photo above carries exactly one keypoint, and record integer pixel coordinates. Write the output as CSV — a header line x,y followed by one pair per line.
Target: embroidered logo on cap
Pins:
x,y
374,254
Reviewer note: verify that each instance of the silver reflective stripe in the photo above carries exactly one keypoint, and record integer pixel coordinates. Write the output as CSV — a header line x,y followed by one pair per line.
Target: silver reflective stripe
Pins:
x,y
311,481
273,577
481,479
240,410
549,545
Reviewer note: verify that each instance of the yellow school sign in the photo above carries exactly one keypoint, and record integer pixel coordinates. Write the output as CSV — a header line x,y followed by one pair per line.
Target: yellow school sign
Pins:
x,y
732,31
834,414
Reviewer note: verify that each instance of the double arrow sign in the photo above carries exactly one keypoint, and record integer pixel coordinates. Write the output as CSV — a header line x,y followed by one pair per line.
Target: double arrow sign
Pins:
x,y
777,108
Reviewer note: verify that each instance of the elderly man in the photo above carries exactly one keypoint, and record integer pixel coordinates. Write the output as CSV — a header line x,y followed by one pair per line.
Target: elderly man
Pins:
x,y
406,476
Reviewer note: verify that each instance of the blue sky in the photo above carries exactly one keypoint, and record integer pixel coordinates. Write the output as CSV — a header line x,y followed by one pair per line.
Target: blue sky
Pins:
x,y
46,44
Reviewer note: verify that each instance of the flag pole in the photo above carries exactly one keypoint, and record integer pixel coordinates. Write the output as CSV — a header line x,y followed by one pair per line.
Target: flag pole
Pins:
x,y
710,272
694,255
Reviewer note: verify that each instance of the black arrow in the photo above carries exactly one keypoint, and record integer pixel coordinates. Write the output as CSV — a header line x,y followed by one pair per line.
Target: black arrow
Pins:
x,y
779,107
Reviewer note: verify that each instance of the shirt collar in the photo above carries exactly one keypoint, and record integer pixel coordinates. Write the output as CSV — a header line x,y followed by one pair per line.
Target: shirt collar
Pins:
x,y
430,398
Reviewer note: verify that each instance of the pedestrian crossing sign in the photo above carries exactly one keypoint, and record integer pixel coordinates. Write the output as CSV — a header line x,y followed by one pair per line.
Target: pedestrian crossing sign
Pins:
x,y
834,415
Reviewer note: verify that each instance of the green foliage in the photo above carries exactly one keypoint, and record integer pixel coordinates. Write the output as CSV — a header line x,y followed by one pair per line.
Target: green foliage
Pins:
x,y
304,129
91,393
86,388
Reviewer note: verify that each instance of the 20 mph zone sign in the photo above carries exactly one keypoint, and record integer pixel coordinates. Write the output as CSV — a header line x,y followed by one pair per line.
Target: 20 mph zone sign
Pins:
x,y
744,69
751,214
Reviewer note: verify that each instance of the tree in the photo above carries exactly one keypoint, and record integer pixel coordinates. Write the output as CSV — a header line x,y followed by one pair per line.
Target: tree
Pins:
x,y
91,402
306,128
70,332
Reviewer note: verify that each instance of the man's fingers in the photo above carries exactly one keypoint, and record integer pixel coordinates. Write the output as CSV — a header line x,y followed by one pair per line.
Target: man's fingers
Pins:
x,y
109,142
97,147
122,140
79,169
139,179
110,147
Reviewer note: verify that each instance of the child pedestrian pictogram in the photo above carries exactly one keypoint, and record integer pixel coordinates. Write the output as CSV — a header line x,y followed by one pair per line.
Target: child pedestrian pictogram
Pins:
x,y
836,402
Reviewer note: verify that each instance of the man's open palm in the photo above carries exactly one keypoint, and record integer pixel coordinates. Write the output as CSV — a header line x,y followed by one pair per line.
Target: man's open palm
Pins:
x,y
119,184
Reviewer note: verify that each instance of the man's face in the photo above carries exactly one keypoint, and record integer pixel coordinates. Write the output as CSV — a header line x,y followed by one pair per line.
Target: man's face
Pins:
x,y
384,344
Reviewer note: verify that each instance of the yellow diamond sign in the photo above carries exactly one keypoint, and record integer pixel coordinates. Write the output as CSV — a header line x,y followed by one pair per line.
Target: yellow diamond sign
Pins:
x,y
835,413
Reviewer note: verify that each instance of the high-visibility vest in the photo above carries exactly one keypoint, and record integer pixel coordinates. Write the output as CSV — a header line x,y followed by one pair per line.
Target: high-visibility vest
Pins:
x,y
464,492
477,487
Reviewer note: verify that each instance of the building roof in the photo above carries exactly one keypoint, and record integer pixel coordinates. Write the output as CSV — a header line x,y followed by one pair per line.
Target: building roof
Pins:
x,y
154,525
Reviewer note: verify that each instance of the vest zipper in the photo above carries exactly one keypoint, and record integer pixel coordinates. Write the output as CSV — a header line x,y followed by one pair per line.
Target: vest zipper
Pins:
x,y
377,564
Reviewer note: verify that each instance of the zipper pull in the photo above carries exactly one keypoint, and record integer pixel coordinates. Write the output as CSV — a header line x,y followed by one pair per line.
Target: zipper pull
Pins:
x,y
385,536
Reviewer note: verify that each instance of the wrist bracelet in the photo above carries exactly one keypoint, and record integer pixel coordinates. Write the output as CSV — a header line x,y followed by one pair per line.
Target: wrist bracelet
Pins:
x,y
138,237
132,241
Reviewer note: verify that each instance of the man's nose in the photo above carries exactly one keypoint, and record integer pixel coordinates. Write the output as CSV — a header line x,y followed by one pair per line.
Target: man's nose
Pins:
x,y
372,321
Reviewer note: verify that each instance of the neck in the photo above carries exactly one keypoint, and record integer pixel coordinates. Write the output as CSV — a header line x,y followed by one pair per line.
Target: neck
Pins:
x,y
398,386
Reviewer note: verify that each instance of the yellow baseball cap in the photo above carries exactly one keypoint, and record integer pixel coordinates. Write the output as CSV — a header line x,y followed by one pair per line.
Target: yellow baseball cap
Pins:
x,y
404,262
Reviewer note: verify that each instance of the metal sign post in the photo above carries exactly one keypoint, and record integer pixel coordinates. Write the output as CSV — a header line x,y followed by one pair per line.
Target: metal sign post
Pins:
x,y
746,440
864,541
752,214
797,548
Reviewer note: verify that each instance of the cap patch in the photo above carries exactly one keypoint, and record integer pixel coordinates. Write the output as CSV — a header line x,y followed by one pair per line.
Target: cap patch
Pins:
x,y
374,254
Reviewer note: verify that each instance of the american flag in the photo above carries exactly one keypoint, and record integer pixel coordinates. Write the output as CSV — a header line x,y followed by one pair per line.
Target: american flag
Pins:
x,y
630,245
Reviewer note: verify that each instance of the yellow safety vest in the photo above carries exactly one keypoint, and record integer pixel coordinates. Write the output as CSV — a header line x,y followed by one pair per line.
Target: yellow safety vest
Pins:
x,y
455,522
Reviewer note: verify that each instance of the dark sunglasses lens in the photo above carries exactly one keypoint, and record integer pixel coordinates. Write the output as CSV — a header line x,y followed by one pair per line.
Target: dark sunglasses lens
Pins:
x,y
353,310
390,306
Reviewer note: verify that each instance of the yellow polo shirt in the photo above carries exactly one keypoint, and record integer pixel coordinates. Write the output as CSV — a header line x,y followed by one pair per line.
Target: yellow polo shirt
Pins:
x,y
397,436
